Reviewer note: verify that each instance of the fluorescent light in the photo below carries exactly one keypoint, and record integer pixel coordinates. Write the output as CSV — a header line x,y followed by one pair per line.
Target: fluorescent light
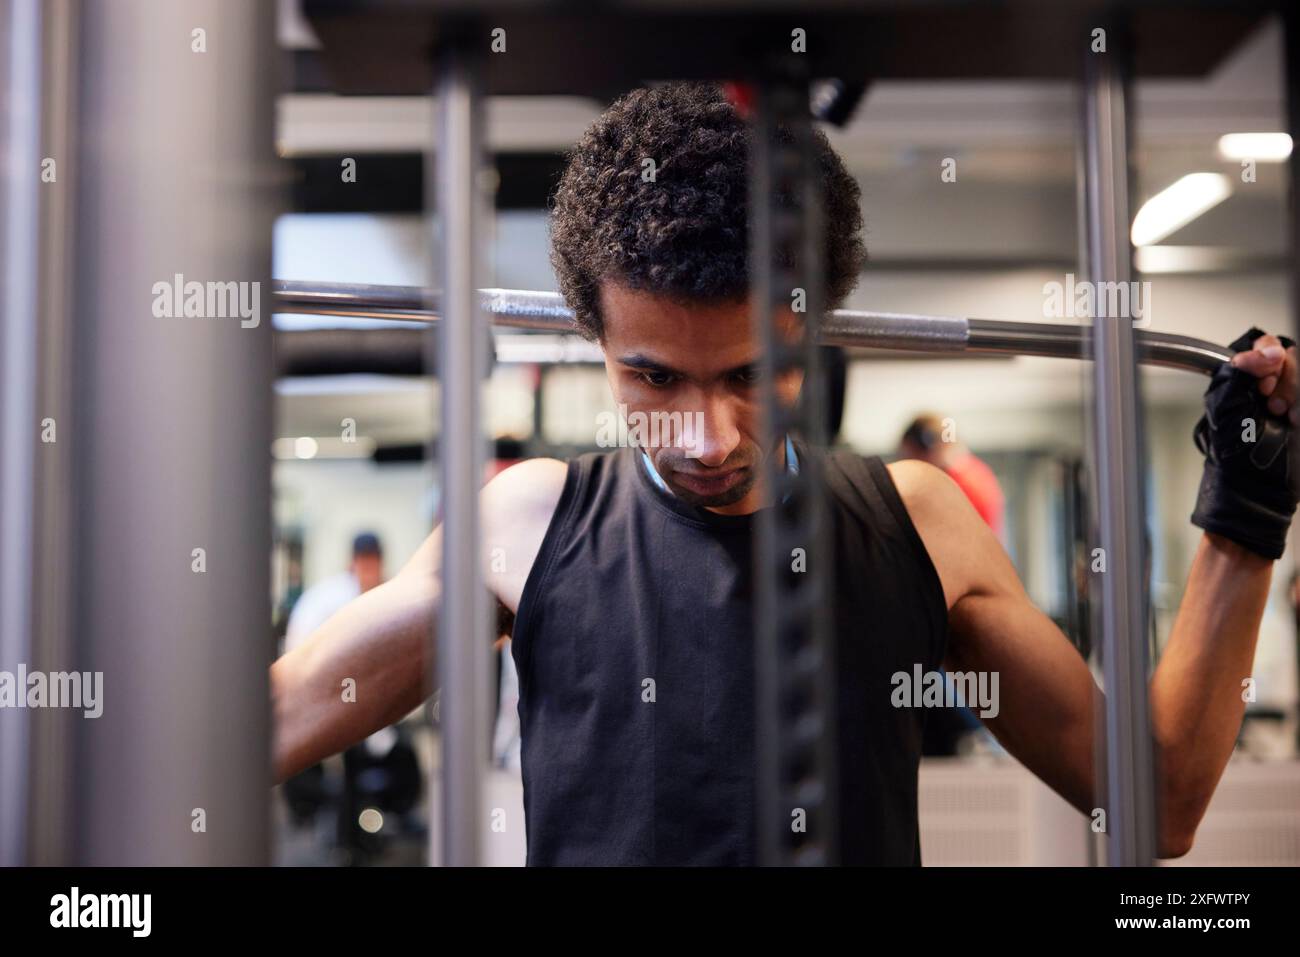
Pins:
x,y
1169,259
1264,147
305,447
351,383
546,349
1175,206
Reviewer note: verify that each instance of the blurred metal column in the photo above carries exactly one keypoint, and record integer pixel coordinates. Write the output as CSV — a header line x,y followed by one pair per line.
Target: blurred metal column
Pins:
x,y
53,731
20,144
1119,468
795,723
1291,91
463,641
172,422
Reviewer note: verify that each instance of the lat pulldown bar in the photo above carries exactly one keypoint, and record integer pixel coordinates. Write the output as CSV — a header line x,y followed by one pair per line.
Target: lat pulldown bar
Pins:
x,y
545,311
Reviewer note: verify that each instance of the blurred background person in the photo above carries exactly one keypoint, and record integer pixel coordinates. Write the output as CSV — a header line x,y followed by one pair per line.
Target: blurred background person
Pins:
x,y
284,607
323,599
925,438
381,775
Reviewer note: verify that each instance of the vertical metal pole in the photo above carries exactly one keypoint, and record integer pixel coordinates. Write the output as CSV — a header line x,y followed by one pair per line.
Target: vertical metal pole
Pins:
x,y
794,653
20,143
1118,468
172,424
1291,80
463,643
53,732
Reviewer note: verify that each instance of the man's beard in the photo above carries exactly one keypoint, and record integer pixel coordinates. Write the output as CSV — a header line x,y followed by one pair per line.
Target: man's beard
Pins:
x,y
730,497
669,462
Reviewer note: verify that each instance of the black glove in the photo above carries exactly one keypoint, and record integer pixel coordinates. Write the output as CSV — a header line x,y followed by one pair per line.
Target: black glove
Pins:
x,y
1248,489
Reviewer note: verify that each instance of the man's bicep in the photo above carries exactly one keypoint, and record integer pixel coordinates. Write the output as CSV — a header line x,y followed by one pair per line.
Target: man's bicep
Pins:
x,y
426,562
1045,696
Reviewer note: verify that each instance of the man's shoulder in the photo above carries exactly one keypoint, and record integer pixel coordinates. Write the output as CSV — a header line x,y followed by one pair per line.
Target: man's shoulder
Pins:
x,y
529,489
959,543
517,508
919,483
930,495
520,501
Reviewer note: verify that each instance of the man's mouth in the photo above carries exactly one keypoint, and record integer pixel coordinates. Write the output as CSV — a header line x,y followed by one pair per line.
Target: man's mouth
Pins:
x,y
709,485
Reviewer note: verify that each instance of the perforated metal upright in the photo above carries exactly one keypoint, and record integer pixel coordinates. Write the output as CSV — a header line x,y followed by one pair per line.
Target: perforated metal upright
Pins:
x,y
624,44
794,661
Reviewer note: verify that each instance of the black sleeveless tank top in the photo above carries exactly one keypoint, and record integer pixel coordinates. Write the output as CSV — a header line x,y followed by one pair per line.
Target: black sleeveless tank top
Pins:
x,y
634,646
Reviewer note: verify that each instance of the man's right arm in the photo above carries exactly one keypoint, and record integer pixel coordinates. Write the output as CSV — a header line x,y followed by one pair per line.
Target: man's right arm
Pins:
x,y
368,665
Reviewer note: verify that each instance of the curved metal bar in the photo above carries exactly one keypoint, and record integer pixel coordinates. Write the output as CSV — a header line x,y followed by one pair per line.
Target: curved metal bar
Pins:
x,y
992,337
546,311
892,330
1181,352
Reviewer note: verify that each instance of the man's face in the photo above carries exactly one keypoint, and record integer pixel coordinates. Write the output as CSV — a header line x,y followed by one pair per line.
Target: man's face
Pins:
x,y
693,369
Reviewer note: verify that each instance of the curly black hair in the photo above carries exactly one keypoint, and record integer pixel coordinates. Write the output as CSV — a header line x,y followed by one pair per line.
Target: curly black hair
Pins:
x,y
684,234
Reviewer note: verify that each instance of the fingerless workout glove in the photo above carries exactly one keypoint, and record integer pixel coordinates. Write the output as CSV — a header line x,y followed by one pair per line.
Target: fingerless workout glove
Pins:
x,y
1248,489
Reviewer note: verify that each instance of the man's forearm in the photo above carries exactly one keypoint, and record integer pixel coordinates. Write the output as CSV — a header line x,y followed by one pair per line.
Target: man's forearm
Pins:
x,y
1196,692
362,670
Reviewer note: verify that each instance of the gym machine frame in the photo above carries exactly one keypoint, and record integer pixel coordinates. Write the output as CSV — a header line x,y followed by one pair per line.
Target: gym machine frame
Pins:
x,y
1125,785
47,600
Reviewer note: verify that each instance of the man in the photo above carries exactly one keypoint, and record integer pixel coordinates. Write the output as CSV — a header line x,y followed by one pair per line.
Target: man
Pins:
x,y
925,438
320,601
633,566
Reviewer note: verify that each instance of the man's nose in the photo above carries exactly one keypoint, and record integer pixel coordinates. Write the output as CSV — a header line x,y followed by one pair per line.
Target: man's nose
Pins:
x,y
719,433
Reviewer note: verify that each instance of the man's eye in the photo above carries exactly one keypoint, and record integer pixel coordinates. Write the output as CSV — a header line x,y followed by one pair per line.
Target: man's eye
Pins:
x,y
657,379
748,376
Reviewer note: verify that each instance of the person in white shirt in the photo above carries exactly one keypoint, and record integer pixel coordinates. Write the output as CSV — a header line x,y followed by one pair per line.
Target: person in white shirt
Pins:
x,y
319,602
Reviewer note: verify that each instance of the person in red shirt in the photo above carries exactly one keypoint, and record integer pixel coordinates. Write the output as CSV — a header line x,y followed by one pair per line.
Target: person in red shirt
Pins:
x,y
929,438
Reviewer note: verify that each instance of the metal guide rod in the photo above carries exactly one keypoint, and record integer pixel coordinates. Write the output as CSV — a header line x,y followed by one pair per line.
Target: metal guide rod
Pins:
x,y
1118,469
1291,75
795,713
546,311
53,730
461,645
20,144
